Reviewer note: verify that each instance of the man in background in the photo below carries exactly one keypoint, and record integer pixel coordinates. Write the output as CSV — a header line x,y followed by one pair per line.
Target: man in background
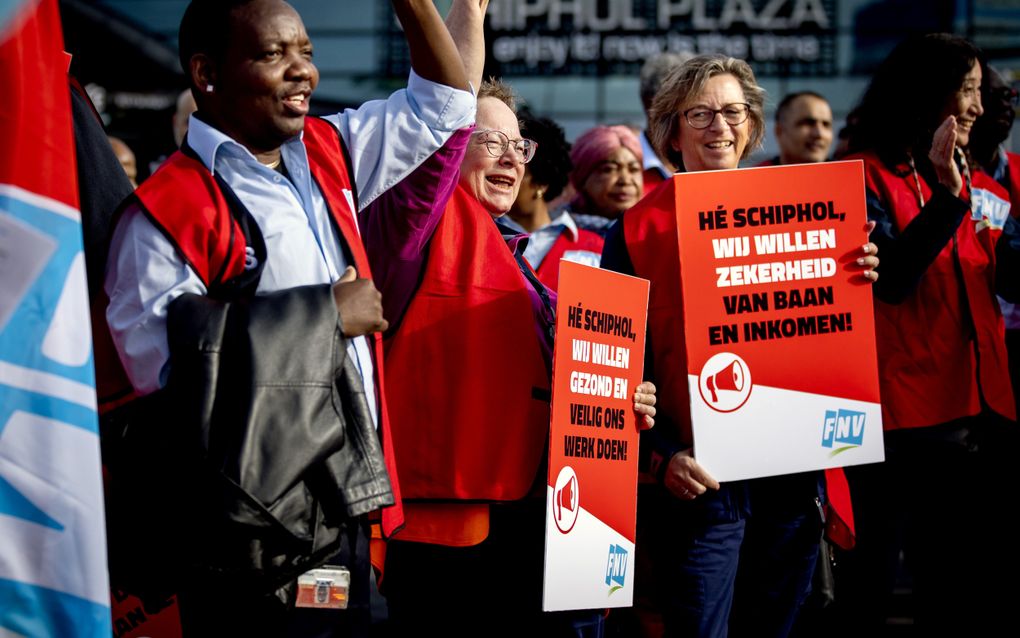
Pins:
x,y
803,129
126,157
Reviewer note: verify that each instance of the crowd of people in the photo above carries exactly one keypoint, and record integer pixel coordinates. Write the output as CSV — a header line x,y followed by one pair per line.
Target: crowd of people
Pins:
x,y
328,341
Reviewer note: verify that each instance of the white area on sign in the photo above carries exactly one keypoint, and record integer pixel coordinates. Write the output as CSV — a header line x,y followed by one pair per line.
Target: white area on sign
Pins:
x,y
778,431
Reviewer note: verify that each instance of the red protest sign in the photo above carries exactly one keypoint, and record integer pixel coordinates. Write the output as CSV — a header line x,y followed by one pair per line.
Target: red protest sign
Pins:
x,y
779,322
593,449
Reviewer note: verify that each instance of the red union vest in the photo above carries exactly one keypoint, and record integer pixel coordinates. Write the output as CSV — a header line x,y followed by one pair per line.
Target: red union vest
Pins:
x,y
650,233
930,372
549,270
649,230
184,201
468,382
1013,169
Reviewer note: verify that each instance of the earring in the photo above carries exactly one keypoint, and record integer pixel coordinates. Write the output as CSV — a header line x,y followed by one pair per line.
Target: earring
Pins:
x,y
208,88
539,193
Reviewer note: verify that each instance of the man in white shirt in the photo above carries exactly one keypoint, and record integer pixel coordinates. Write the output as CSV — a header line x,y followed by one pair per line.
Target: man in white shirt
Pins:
x,y
249,64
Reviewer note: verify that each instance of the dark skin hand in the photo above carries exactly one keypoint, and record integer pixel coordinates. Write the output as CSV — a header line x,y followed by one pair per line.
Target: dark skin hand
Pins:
x,y
359,304
434,54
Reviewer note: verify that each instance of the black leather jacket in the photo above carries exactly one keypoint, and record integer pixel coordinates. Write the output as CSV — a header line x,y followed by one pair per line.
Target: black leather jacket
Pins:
x,y
250,461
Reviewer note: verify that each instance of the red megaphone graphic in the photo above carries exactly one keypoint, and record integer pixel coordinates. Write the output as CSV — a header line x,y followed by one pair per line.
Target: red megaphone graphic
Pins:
x,y
566,498
729,378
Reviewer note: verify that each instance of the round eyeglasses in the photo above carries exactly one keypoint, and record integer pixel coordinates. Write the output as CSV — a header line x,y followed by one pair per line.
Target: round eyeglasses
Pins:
x,y
496,142
701,117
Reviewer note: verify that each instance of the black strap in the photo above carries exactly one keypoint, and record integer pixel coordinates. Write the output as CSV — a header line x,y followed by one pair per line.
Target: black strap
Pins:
x,y
550,310
244,284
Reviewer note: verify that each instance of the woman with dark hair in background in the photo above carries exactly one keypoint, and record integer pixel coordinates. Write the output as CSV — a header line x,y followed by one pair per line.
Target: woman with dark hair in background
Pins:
x,y
607,176
551,238
941,353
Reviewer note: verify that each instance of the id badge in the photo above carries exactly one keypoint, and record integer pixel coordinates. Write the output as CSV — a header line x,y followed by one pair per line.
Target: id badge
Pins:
x,y
324,588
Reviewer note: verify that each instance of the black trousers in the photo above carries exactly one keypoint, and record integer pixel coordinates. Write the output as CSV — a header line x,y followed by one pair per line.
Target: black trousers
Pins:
x,y
215,611
942,497
490,589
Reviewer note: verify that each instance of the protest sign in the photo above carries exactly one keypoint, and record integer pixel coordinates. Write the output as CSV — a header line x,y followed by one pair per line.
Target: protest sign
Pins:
x,y
780,329
593,450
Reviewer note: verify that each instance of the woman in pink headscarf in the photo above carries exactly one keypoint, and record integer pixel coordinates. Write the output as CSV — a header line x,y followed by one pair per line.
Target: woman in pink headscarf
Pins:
x,y
607,176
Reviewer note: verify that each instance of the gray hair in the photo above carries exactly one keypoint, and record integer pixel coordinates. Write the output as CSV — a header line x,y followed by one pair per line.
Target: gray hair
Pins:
x,y
655,70
684,84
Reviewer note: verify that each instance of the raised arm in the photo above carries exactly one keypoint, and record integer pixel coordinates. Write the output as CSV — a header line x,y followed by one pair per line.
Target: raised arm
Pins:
x,y
434,55
465,24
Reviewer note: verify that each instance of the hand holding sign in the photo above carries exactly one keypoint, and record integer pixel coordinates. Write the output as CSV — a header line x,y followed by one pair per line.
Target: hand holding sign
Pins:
x,y
869,261
685,478
644,405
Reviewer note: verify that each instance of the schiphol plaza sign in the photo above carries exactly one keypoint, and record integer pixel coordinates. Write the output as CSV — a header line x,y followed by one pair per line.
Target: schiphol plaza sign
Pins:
x,y
603,37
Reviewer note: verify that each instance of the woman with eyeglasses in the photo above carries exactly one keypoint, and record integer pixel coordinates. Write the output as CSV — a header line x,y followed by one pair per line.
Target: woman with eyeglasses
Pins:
x,y
468,361
948,246
745,546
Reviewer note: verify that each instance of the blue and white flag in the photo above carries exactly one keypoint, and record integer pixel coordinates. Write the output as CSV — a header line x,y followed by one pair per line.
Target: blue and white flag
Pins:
x,y
53,576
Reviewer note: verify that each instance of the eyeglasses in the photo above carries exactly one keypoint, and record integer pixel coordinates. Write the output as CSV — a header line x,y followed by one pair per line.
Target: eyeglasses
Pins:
x,y
496,142
701,117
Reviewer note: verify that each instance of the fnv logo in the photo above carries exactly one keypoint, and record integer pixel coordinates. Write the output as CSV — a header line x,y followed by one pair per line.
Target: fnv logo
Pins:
x,y
616,568
842,430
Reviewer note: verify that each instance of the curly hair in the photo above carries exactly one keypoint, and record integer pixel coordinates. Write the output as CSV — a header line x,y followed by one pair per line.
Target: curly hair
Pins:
x,y
684,84
551,164
499,90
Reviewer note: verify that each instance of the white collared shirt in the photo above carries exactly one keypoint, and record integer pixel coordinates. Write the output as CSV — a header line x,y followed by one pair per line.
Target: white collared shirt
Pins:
x,y
541,241
650,157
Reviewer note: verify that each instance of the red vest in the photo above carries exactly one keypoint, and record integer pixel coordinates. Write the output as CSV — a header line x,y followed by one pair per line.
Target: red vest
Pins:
x,y
549,270
930,371
650,233
649,230
183,199
651,177
468,381
1013,170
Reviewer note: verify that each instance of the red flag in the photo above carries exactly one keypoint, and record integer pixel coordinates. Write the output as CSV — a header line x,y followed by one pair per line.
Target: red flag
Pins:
x,y
35,113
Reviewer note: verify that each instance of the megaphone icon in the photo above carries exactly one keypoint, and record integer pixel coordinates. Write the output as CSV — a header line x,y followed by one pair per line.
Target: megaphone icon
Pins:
x,y
566,498
729,378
